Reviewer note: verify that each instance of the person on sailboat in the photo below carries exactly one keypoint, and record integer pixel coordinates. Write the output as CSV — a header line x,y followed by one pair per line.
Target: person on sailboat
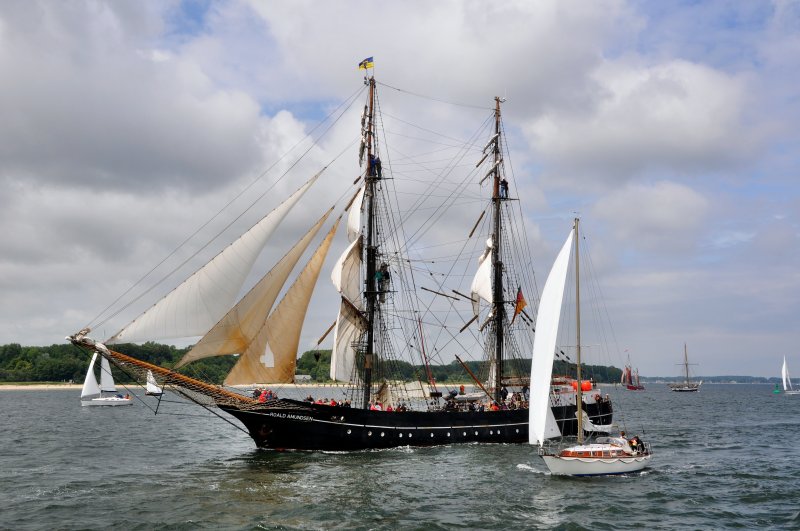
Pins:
x,y
503,189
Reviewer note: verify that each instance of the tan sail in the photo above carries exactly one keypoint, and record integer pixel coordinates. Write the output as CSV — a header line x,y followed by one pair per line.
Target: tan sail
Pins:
x,y
195,305
242,328
277,363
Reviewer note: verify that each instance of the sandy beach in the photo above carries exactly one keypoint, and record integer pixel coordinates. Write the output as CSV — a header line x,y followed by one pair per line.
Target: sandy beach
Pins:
x,y
38,386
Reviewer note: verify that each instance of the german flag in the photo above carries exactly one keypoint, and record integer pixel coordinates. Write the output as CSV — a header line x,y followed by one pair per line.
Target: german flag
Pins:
x,y
520,304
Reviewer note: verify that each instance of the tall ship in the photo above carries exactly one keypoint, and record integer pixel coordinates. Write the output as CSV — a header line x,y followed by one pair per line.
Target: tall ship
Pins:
x,y
630,378
397,308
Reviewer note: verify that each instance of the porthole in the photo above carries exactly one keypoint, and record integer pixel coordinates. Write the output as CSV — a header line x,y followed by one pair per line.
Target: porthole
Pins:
x,y
517,430
448,434
476,433
382,434
369,434
465,434
491,432
349,432
431,435
409,435
401,435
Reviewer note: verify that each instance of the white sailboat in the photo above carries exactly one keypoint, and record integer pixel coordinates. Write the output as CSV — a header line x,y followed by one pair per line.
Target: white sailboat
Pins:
x,y
151,387
604,456
104,394
787,381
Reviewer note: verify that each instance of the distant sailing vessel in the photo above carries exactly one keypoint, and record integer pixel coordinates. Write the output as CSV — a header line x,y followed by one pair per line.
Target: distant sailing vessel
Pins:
x,y
603,455
104,394
151,386
380,282
630,378
787,380
687,386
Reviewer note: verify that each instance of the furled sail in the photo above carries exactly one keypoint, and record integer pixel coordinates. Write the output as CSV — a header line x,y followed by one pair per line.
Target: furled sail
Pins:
x,y
482,282
195,305
277,363
90,387
544,345
242,328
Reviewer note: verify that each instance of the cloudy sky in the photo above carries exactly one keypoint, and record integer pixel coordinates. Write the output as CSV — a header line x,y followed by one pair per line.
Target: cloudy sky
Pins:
x,y
671,127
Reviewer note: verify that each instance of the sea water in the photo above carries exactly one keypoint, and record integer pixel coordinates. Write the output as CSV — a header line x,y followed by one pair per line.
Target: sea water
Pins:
x,y
725,457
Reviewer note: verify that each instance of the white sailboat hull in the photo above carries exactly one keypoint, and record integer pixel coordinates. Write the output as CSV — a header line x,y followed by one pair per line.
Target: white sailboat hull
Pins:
x,y
107,401
595,466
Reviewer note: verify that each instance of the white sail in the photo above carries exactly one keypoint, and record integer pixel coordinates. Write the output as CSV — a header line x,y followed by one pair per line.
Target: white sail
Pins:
x,y
199,302
346,272
349,327
354,216
278,362
544,344
106,380
787,381
482,282
90,387
242,329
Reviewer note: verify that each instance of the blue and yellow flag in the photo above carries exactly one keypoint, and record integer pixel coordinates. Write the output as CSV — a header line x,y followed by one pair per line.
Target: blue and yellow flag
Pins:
x,y
366,63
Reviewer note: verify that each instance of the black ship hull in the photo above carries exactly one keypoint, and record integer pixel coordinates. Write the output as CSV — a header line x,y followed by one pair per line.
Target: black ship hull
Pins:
x,y
294,425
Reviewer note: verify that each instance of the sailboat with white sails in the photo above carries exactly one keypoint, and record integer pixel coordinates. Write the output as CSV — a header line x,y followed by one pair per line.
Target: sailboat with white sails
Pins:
x,y
381,321
604,455
104,394
787,380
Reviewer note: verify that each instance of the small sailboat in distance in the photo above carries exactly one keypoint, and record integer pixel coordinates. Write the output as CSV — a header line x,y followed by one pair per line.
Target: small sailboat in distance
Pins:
x,y
604,455
104,394
787,381
687,386
151,387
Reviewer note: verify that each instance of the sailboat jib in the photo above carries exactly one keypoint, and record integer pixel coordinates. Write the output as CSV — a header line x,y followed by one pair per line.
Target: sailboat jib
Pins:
x,y
242,325
90,387
277,363
544,345
195,305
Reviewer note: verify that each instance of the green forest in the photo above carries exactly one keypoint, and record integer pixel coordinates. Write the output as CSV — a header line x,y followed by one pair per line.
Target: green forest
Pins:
x,y
65,363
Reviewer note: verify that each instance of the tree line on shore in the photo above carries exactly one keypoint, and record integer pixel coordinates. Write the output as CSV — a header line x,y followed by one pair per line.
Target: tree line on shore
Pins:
x,y
65,362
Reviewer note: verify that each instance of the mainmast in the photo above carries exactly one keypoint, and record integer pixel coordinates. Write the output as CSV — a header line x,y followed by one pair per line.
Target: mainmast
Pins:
x,y
686,363
578,392
370,292
497,261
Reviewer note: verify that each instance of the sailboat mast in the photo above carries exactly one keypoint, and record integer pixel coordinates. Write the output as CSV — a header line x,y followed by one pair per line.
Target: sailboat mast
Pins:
x,y
497,262
686,363
578,392
370,248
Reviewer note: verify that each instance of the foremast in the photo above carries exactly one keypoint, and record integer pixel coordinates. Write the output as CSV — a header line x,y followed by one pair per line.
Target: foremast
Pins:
x,y
498,301
370,248
579,388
